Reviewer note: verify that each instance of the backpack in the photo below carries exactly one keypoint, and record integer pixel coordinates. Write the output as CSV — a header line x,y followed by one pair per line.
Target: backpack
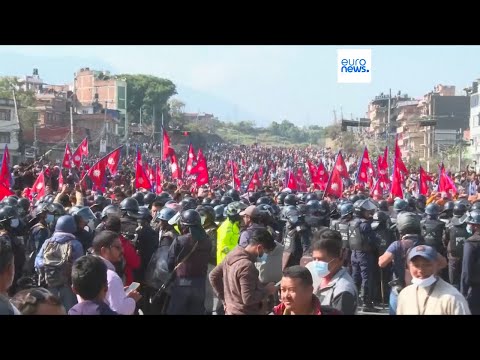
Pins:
x,y
57,263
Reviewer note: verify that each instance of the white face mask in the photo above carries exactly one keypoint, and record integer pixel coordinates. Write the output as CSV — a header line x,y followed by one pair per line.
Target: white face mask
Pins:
x,y
424,282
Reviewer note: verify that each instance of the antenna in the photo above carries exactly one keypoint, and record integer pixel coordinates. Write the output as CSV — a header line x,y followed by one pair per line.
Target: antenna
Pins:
x,y
334,117
341,113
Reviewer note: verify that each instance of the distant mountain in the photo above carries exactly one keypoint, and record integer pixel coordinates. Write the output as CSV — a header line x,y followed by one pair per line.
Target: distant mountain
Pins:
x,y
200,101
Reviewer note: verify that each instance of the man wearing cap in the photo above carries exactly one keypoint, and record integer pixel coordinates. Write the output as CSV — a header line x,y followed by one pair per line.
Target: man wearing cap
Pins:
x,y
429,294
251,219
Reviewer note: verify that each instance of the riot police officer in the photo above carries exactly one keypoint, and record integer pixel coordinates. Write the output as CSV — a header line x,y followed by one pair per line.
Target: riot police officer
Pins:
x,y
447,212
85,219
316,215
455,236
342,226
296,238
470,281
188,257
363,244
433,229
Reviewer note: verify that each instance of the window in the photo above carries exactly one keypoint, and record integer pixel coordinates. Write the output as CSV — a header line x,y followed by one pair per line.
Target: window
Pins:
x,y
474,100
5,137
5,115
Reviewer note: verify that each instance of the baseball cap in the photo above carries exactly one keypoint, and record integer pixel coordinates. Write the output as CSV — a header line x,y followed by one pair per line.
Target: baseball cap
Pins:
x,y
250,211
427,252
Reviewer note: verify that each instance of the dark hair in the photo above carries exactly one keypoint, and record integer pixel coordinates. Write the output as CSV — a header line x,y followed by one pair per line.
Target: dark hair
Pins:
x,y
89,276
157,204
262,237
299,272
6,255
28,300
64,200
113,224
104,239
329,241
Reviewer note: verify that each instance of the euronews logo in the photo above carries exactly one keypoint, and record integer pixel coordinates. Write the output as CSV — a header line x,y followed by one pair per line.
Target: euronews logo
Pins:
x,y
354,65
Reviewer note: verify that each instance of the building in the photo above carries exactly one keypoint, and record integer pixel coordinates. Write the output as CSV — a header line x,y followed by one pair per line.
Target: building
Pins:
x,y
378,113
198,116
31,82
96,90
410,138
9,130
474,122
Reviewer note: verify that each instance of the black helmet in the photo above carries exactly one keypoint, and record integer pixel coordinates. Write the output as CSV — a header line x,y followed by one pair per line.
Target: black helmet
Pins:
x,y
290,199
129,204
234,194
449,206
6,214
85,213
380,217
266,208
110,210
139,197
400,205
310,196
40,209
225,200
188,203
100,201
190,217
149,198
235,208
163,198
214,203
473,217
292,215
411,204
383,205
219,209
324,207
346,209
302,209
264,200
475,206
206,212
408,223
354,198
10,201
460,209
206,201
361,197
432,210
421,202
24,204
313,206
48,199
165,214
465,202
363,205
56,209
281,198
144,213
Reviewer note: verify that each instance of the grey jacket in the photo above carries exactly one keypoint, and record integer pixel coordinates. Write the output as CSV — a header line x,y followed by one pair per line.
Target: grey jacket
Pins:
x,y
340,293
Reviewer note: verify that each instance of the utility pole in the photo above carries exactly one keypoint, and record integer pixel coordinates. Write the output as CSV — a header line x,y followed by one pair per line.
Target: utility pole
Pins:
x,y
460,150
153,123
35,143
388,117
71,125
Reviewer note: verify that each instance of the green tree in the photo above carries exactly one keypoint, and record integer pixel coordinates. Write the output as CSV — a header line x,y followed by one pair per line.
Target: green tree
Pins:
x,y
25,101
147,92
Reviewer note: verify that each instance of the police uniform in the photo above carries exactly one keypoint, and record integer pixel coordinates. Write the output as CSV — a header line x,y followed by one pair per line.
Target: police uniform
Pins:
x,y
296,242
455,236
470,280
343,227
433,233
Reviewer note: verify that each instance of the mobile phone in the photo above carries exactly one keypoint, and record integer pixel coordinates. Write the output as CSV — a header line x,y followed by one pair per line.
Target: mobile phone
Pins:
x,y
133,286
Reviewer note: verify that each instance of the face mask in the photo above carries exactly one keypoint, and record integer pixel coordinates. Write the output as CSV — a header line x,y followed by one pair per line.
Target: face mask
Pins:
x,y
49,219
424,282
469,229
262,259
321,267
14,223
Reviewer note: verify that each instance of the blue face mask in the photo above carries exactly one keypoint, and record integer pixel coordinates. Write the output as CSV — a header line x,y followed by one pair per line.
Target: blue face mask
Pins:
x,y
262,259
469,229
321,267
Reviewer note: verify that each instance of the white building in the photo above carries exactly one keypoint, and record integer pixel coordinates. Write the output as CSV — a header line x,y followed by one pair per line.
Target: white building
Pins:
x,y
9,130
475,123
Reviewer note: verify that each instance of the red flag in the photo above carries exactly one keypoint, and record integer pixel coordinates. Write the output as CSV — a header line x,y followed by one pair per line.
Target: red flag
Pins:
x,y
335,184
200,158
67,157
190,159
202,172
254,183
445,184
84,147
5,171
7,154
423,181
97,172
141,179
139,157
158,179
166,145
398,158
234,168
301,182
313,173
39,186
260,172
376,192
113,159
364,168
396,183
176,172
151,174
385,158
77,157
292,181
4,192
322,176
340,165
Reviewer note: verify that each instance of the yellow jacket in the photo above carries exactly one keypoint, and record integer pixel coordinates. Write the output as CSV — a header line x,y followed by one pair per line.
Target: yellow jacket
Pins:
x,y
228,235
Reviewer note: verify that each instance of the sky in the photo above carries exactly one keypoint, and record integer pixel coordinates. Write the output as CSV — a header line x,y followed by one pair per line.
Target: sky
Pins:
x,y
260,83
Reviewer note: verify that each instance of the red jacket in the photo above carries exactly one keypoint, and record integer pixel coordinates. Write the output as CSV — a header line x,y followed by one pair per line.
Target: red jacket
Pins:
x,y
132,260
317,308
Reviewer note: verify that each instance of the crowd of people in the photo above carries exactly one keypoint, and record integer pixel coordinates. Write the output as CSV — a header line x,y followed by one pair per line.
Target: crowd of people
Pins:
x,y
218,249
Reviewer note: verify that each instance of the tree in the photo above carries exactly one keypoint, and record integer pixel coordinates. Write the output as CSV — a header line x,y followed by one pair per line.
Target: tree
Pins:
x,y
147,92
25,101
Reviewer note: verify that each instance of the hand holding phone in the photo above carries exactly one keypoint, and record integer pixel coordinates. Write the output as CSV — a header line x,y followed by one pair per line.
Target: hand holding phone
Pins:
x,y
133,286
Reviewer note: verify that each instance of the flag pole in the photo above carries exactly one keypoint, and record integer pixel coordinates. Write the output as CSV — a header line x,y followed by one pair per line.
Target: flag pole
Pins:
x,y
330,176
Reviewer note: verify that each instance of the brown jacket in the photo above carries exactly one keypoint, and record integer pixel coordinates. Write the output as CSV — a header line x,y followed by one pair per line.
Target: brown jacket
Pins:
x,y
235,281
